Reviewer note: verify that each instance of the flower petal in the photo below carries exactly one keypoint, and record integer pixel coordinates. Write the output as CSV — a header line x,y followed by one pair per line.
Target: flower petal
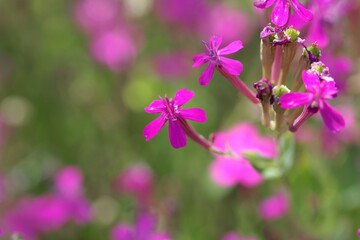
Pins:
x,y
153,128
215,42
227,172
311,81
332,119
193,114
156,106
207,74
231,48
264,3
301,10
231,66
176,134
317,33
183,96
200,59
329,90
295,99
280,13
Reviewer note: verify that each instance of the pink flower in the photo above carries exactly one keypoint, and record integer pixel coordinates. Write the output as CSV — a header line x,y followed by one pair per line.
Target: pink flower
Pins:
x,y
214,57
281,11
227,171
186,13
136,180
95,15
274,207
229,23
144,229
68,181
173,65
170,111
318,92
114,48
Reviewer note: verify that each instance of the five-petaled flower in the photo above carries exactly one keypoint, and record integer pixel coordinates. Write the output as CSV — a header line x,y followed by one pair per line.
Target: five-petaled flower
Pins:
x,y
318,92
281,11
170,111
214,56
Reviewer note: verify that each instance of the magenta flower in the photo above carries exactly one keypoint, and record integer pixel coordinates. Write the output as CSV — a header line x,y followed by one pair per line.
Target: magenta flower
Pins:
x,y
144,228
274,207
170,111
228,171
214,56
318,92
281,11
138,181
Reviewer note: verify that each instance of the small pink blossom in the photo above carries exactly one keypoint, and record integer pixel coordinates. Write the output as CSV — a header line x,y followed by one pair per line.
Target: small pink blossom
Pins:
x,y
172,65
215,58
138,181
316,97
170,111
114,48
229,23
274,207
228,171
143,229
281,11
96,15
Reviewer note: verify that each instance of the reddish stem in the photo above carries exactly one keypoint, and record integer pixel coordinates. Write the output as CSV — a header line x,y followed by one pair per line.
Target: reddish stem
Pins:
x,y
239,85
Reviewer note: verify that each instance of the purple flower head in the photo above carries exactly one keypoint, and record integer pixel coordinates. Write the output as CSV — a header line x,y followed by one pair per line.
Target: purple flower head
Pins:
x,y
95,15
68,182
281,11
214,57
274,207
228,22
144,228
116,49
316,98
170,111
138,181
228,171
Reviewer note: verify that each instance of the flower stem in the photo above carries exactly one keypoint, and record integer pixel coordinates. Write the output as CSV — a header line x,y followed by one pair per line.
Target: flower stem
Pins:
x,y
305,115
275,72
239,85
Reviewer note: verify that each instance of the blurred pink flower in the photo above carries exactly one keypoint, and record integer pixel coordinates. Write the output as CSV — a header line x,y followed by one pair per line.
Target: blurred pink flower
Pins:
x,y
172,65
144,229
32,216
96,15
341,68
229,23
138,181
114,48
68,181
235,236
350,134
227,171
274,207
186,13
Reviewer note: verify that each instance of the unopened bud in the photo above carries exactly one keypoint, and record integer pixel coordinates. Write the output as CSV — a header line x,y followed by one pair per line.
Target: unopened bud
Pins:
x,y
313,53
292,34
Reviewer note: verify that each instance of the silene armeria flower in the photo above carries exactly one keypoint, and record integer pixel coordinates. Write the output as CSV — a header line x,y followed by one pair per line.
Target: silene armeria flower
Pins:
x,y
170,111
227,67
281,11
316,97
214,57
